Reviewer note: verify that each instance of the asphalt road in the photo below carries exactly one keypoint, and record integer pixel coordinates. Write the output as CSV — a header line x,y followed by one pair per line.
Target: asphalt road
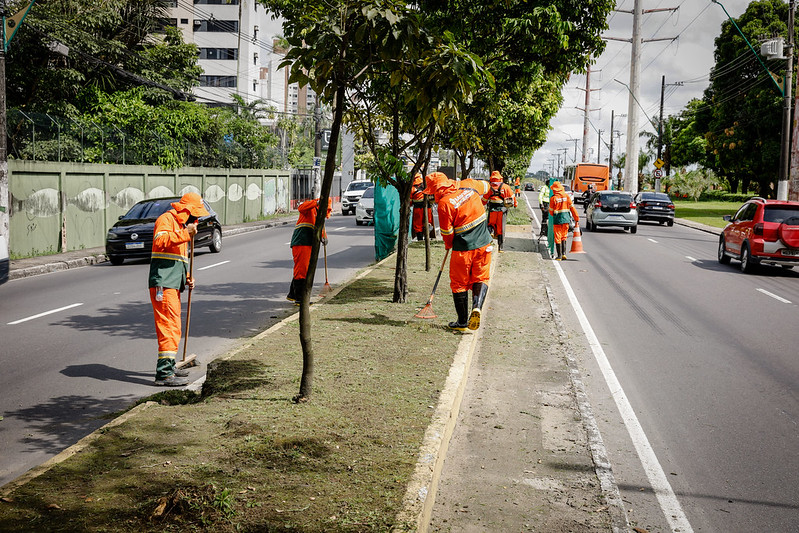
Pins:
x,y
707,357
79,345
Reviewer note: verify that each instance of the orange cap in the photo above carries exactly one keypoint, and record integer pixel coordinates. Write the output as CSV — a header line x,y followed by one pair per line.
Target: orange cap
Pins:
x,y
436,181
417,179
193,203
496,177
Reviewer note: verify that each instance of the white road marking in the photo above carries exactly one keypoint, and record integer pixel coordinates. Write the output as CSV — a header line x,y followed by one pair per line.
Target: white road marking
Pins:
x,y
337,229
21,320
288,243
691,259
783,300
654,472
212,266
652,240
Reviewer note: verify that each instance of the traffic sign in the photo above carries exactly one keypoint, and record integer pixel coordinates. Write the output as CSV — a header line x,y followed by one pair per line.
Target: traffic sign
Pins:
x,y
659,163
658,173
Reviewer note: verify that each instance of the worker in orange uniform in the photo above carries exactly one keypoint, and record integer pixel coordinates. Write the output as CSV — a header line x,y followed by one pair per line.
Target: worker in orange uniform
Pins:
x,y
517,187
562,211
301,242
168,277
499,199
462,220
418,201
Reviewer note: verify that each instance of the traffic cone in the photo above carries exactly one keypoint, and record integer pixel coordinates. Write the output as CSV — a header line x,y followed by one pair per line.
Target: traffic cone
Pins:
x,y
577,241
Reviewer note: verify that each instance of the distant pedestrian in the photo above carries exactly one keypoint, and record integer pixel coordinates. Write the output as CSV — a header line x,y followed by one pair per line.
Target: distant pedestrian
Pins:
x,y
418,201
301,243
562,211
517,187
167,279
499,199
462,220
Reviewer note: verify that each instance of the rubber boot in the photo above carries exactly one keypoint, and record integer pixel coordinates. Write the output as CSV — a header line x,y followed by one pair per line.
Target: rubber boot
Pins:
x,y
432,232
461,300
500,240
292,295
419,236
559,251
479,291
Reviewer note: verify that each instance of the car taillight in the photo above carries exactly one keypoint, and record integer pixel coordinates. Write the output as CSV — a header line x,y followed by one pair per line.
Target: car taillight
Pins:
x,y
758,229
670,206
598,204
632,205
643,204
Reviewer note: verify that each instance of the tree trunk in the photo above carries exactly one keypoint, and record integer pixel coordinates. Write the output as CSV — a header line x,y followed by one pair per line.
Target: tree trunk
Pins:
x,y
306,381
401,269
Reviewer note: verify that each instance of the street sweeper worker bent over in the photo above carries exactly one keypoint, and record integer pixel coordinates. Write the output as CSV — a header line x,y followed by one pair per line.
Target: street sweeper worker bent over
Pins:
x,y
462,220
562,211
301,243
417,201
168,277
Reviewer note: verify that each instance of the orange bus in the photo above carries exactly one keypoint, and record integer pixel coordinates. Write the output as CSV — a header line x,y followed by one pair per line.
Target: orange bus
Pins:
x,y
581,175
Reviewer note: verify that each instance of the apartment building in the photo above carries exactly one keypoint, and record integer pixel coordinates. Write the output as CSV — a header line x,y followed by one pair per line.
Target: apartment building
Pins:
x,y
238,54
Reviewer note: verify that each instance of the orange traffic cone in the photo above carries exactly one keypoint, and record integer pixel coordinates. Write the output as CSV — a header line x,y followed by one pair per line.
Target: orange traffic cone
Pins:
x,y
577,241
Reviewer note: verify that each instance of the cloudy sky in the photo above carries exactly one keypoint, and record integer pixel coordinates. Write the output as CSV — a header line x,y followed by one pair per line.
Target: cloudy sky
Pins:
x,y
696,24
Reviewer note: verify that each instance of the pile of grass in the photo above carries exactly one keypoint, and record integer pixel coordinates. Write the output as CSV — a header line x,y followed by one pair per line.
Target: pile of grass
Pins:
x,y
241,456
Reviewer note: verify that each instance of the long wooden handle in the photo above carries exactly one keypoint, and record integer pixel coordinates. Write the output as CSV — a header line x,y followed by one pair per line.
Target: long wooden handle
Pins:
x,y
188,303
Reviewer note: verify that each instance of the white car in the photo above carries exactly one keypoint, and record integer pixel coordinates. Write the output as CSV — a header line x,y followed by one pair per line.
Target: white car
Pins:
x,y
350,197
365,210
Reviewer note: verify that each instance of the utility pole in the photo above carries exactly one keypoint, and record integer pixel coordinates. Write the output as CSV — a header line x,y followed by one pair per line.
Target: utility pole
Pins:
x,y
610,157
785,152
598,146
575,141
586,110
631,162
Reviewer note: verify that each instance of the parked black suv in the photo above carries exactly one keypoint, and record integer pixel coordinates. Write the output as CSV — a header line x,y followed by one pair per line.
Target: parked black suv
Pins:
x,y
655,206
132,236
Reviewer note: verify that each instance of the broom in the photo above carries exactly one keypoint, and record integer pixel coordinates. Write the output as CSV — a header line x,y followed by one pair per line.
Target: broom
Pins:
x,y
191,360
427,310
326,288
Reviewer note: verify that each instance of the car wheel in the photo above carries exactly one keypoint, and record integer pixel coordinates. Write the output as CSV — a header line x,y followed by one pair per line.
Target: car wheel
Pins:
x,y
661,222
216,241
724,259
670,223
748,263
116,260
633,229
359,222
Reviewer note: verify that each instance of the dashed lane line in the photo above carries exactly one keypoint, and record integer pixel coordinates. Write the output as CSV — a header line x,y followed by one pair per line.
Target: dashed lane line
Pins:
x,y
21,320
778,298
214,265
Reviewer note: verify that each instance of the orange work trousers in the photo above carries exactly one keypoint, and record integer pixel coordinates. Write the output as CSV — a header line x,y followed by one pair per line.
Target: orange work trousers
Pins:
x,y
302,256
167,329
495,220
469,267
561,232
418,219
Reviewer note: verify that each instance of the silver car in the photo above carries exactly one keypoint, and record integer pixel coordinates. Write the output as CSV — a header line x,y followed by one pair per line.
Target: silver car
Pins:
x,y
611,208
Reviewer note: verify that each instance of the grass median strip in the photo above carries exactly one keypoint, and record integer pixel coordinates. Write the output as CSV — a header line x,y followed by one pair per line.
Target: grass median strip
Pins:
x,y
242,457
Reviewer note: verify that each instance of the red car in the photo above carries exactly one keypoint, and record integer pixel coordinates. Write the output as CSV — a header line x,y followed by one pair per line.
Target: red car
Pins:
x,y
762,231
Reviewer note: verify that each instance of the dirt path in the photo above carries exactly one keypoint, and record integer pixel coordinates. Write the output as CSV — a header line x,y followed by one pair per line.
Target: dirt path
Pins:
x,y
518,460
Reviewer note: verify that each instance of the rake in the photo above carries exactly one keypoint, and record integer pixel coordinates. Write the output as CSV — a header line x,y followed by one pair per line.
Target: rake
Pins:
x,y
326,288
427,310
191,360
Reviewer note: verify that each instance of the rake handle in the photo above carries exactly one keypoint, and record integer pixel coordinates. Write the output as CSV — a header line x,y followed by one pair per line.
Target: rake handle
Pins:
x,y
438,278
188,302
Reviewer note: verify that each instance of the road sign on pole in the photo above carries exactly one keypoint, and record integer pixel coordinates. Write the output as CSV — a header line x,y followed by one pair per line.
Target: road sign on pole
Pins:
x,y
658,173
659,163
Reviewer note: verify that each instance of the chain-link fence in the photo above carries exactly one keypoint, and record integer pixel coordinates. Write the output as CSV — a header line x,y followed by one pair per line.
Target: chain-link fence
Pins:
x,y
44,137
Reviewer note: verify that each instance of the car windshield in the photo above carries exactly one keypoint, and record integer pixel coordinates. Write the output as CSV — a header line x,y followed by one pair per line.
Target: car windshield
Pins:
x,y
657,196
359,186
149,210
780,213
615,198
369,193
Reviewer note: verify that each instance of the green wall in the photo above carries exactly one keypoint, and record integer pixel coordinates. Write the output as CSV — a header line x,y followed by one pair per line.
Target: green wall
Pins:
x,y
57,207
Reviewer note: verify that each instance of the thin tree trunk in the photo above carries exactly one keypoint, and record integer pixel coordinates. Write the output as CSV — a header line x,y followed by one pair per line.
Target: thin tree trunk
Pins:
x,y
306,382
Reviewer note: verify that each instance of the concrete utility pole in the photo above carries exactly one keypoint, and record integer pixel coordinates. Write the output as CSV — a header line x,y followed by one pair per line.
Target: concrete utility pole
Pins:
x,y
598,146
586,119
610,157
631,161
785,152
575,141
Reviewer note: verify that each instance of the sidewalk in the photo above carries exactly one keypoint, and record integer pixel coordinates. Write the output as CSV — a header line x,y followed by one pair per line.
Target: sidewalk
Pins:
x,y
520,453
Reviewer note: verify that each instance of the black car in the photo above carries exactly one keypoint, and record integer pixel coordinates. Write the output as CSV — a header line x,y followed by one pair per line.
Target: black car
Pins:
x,y
132,236
655,206
529,187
